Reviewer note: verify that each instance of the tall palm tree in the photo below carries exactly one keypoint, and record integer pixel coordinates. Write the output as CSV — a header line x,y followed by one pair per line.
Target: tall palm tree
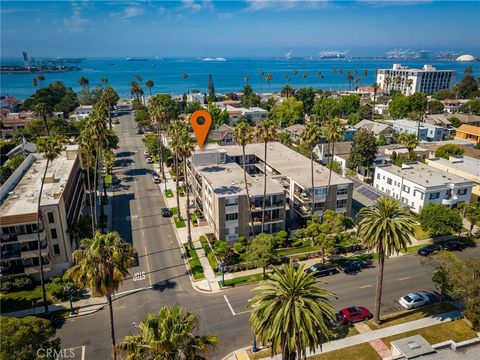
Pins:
x,y
176,130
87,144
409,84
149,84
138,78
109,98
365,73
410,141
287,91
387,81
304,76
385,227
350,78
84,82
311,137
375,90
319,75
101,264
287,77
50,147
291,313
333,132
268,79
294,72
186,150
41,78
159,116
265,131
184,76
136,90
43,110
168,335
243,136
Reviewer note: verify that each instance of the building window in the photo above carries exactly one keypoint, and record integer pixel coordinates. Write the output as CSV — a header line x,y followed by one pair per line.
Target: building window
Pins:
x,y
56,249
320,193
342,190
389,181
53,233
319,206
231,201
406,189
462,191
51,219
434,195
233,216
378,176
341,204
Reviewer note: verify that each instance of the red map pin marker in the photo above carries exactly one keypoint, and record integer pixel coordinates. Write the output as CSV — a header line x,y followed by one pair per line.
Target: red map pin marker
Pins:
x,y
201,121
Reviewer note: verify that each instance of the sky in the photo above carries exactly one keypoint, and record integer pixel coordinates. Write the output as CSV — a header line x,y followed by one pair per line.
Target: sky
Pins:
x,y
235,28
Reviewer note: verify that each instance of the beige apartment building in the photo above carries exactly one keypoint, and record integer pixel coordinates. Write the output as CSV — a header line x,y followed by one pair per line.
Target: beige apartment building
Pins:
x,y
62,203
216,178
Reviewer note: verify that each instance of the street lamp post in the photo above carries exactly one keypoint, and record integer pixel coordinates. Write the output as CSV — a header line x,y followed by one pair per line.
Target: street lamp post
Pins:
x,y
69,294
223,273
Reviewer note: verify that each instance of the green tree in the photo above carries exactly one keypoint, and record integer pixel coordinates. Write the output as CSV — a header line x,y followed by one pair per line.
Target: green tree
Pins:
x,y
417,102
101,264
325,108
335,166
386,228
191,107
455,121
310,138
287,91
168,335
136,90
261,251
410,141
177,131
435,107
471,107
284,138
149,84
9,168
348,104
471,212
50,147
186,149
307,97
318,233
440,220
289,112
27,338
142,117
109,99
211,89
249,98
467,288
443,94
290,312
84,82
223,251
447,150
467,85
364,150
219,116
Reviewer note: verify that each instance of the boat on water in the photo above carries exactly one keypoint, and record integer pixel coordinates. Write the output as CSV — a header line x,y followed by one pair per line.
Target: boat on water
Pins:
x,y
333,54
135,59
214,59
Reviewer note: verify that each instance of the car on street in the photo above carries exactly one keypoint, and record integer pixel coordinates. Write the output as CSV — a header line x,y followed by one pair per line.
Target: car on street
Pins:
x,y
321,269
166,212
452,245
351,266
115,180
353,314
149,160
414,300
146,154
139,131
156,179
116,121
429,250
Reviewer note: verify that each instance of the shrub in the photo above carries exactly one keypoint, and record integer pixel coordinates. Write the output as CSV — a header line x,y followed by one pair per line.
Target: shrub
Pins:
x,y
297,243
302,257
24,283
6,286
211,238
242,240
281,238
239,247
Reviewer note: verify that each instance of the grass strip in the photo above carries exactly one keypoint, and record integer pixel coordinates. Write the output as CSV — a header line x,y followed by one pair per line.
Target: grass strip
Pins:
x,y
194,262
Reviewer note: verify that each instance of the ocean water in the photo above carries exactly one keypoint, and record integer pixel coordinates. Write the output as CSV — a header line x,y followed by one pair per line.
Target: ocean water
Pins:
x,y
227,75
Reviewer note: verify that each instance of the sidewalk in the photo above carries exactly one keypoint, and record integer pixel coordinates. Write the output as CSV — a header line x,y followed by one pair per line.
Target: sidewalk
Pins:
x,y
367,336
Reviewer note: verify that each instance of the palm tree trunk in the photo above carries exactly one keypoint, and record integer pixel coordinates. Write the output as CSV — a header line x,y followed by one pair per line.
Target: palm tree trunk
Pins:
x,y
378,290
312,195
329,176
95,179
246,189
40,260
176,185
109,117
189,233
160,154
264,188
112,327
90,192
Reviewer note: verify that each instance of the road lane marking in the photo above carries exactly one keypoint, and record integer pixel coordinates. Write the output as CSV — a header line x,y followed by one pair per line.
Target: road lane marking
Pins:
x,y
148,265
244,312
132,291
404,278
365,286
229,305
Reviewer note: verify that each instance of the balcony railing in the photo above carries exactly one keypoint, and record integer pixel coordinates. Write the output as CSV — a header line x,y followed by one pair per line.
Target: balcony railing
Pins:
x,y
31,237
33,253
268,204
304,196
10,254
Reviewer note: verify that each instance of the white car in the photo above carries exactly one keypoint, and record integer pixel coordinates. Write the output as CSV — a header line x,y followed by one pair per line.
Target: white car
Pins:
x,y
414,300
149,160
156,179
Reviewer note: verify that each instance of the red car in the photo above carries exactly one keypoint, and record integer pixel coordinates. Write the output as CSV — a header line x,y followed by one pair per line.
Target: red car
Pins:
x,y
353,314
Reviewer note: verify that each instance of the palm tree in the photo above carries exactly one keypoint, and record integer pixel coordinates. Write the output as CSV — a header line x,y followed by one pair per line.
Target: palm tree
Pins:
x,y
311,137
350,78
409,84
304,76
334,71
287,77
268,79
186,149
265,131
385,227
410,141
136,90
243,136
287,91
375,90
41,78
87,144
101,264
43,110
184,76
83,81
168,335
149,84
291,313
387,81
50,146
35,83
295,72
365,73
357,82
333,132
109,98
138,78
319,75
159,116
176,129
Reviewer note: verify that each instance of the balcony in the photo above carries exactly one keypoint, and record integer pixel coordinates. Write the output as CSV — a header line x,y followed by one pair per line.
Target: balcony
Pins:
x,y
268,219
11,254
31,237
303,210
8,238
258,205
452,200
303,196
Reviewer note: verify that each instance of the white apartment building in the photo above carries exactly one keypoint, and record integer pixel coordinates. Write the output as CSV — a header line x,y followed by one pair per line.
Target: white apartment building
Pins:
x,y
417,185
427,80
196,97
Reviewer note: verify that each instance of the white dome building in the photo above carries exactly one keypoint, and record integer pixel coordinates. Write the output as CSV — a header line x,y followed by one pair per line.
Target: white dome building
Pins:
x,y
465,58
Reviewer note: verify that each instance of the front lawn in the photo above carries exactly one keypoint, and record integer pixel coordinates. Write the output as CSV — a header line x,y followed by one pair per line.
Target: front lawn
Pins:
x,y
357,352
179,223
194,262
305,248
457,330
169,193
243,280
212,260
414,249
420,234
21,300
174,210
364,257
411,315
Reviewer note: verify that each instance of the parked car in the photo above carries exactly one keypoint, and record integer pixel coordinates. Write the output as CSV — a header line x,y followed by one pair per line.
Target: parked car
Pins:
x,y
115,180
321,269
166,212
139,131
149,160
146,154
453,245
353,314
116,121
156,179
429,249
353,266
414,300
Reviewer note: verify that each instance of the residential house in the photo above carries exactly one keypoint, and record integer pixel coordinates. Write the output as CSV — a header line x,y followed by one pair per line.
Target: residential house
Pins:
x,y
295,131
468,132
379,129
422,130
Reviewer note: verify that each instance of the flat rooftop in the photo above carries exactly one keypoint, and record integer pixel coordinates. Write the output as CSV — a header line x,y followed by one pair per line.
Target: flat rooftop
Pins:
x,y
23,198
289,163
463,163
227,180
424,175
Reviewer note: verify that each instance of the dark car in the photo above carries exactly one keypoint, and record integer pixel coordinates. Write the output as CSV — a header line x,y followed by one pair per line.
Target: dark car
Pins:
x,y
166,212
139,131
353,266
321,269
353,314
429,249
115,180
452,245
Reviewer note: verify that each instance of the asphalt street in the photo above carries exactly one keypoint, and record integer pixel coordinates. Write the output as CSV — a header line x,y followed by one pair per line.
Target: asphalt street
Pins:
x,y
161,278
